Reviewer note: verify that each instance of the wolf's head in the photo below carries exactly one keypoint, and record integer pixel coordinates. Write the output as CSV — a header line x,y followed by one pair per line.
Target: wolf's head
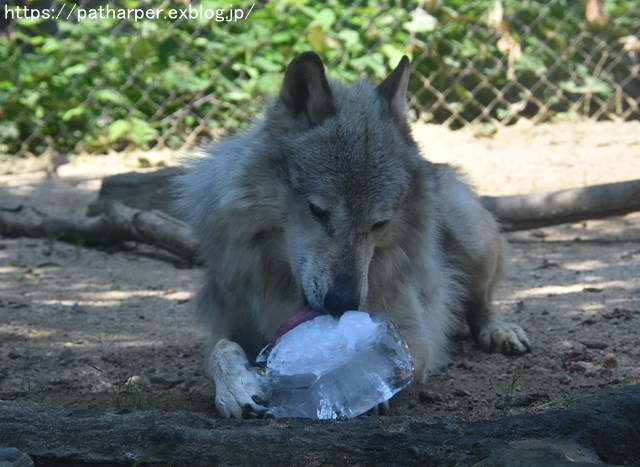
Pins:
x,y
349,155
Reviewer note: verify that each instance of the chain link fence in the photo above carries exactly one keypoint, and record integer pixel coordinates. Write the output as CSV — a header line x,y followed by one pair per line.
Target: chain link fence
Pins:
x,y
90,76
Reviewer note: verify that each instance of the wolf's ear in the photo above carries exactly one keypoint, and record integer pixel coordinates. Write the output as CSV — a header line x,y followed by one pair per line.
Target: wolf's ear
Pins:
x,y
394,88
305,91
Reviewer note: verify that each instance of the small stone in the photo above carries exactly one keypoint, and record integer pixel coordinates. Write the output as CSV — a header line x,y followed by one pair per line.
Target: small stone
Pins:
x,y
539,234
585,368
595,345
137,380
619,313
461,393
429,397
609,360
519,306
77,308
576,356
464,365
565,379
167,382
530,399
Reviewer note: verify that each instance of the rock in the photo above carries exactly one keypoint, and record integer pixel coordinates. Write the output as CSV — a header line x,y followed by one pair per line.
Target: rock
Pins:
x,y
541,452
585,368
12,457
461,393
609,360
429,397
565,379
77,308
137,381
595,345
603,429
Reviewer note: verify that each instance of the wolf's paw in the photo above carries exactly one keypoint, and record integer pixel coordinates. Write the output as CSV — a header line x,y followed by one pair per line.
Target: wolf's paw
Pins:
x,y
238,389
242,398
507,338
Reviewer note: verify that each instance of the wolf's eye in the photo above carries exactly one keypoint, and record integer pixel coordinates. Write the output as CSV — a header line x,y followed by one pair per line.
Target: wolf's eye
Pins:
x,y
321,215
379,225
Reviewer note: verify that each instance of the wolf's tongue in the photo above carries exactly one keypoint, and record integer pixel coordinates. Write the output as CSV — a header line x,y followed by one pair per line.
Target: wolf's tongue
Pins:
x,y
299,317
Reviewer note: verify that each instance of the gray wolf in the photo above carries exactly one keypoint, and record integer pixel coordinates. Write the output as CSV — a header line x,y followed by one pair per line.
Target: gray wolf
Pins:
x,y
325,201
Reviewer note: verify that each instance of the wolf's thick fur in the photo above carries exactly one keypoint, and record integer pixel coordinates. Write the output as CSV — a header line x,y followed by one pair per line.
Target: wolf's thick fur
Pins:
x,y
326,201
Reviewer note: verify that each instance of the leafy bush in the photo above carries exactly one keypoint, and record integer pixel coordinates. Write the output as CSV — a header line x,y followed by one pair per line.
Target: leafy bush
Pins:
x,y
92,85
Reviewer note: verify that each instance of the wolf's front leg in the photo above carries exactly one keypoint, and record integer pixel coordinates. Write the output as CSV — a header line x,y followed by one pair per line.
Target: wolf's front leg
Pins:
x,y
238,389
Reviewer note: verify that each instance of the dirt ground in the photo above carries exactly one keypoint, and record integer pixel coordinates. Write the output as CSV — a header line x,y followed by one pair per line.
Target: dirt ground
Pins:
x,y
113,329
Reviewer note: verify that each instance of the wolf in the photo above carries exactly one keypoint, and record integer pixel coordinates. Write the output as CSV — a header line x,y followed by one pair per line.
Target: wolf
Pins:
x,y
326,202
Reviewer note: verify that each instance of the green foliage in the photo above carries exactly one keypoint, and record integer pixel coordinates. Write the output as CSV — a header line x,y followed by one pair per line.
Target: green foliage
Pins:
x,y
91,85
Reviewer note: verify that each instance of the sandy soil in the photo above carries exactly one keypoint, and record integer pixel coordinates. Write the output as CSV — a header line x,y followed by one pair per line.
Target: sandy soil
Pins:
x,y
78,324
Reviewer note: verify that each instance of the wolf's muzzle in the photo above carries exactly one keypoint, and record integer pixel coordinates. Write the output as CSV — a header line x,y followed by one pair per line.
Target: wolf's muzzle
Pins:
x,y
343,295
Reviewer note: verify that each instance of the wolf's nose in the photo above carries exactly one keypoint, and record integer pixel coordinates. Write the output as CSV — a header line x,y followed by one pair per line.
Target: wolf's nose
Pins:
x,y
342,296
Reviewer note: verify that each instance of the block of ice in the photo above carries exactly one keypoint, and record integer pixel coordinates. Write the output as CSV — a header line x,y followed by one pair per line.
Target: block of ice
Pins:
x,y
329,368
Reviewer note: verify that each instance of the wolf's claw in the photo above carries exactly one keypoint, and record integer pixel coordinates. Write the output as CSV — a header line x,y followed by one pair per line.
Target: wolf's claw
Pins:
x,y
506,338
260,401
255,412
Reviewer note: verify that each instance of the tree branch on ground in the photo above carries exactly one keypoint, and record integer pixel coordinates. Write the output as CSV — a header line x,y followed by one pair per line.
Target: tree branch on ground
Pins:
x,y
118,223
523,212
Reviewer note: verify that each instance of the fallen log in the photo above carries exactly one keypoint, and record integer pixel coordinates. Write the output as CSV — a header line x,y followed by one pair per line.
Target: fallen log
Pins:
x,y
603,429
117,223
519,212
523,212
